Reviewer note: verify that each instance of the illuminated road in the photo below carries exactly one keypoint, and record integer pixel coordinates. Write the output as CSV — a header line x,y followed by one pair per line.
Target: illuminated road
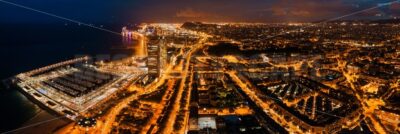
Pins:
x,y
176,104
368,106
157,113
187,106
110,118
265,105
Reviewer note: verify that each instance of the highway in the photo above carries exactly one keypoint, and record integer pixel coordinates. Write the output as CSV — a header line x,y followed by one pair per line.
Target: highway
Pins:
x,y
176,104
110,118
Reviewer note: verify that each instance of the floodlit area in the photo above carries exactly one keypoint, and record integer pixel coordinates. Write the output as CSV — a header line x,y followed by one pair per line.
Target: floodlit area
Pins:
x,y
72,88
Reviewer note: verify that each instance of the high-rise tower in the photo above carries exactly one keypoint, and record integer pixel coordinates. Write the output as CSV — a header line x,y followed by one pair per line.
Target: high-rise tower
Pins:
x,y
155,58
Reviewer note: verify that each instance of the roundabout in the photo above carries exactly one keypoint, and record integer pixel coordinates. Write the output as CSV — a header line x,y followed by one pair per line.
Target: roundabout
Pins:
x,y
87,122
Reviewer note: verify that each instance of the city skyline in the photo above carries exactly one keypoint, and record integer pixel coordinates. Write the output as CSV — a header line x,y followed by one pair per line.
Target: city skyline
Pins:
x,y
200,67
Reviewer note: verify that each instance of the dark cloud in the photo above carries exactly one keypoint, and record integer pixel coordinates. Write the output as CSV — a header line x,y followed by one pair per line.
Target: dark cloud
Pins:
x,y
394,9
306,10
190,13
197,10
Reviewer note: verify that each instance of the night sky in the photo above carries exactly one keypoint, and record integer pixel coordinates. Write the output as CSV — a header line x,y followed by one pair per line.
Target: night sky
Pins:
x,y
124,11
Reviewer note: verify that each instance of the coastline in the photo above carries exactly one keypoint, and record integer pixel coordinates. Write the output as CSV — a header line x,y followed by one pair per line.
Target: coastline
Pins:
x,y
24,52
43,122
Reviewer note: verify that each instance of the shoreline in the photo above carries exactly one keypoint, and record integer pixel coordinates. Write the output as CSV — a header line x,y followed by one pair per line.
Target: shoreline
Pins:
x,y
44,121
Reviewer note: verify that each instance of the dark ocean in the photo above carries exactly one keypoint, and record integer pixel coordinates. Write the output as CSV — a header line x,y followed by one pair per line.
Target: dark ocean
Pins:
x,y
25,47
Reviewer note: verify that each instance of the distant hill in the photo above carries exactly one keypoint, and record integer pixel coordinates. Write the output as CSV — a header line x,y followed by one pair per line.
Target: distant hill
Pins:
x,y
388,21
382,21
190,24
195,25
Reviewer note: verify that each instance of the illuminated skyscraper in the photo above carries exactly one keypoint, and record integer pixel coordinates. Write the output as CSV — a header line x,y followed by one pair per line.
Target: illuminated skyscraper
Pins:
x,y
155,58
